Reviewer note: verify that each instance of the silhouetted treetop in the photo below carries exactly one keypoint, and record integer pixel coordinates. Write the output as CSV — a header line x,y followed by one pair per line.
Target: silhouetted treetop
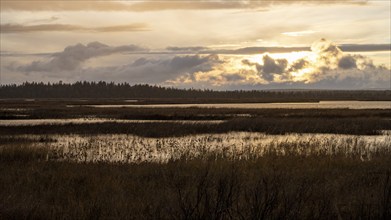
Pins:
x,y
124,90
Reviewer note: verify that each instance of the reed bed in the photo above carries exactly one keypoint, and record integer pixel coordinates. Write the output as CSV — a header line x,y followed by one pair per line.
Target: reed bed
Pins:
x,y
269,187
231,146
257,164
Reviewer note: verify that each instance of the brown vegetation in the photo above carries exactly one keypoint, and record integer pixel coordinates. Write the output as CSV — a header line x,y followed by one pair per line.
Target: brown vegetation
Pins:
x,y
359,126
271,187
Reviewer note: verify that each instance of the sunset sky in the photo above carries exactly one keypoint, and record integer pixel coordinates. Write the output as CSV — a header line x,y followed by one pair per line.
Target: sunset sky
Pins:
x,y
276,44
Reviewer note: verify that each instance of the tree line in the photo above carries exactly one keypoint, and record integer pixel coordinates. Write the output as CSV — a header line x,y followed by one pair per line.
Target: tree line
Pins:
x,y
101,89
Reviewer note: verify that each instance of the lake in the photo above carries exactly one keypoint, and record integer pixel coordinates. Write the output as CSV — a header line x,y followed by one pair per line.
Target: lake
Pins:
x,y
35,122
288,105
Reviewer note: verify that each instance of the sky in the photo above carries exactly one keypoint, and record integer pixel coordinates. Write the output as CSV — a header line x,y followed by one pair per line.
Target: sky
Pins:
x,y
222,45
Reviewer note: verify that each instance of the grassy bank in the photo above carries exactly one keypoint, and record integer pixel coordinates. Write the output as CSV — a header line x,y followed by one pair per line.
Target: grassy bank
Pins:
x,y
271,187
358,126
312,185
59,110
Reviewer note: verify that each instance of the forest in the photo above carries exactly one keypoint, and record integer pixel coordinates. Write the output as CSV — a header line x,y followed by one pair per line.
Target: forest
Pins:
x,y
104,90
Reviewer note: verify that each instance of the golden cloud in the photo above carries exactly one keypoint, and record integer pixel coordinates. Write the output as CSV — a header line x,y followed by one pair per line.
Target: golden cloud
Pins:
x,y
96,5
18,28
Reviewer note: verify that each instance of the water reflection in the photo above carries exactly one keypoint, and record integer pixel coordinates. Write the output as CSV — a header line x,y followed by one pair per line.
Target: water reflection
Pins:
x,y
293,105
32,122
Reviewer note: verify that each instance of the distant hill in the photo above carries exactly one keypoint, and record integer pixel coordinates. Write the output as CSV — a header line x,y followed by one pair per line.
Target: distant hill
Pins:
x,y
104,90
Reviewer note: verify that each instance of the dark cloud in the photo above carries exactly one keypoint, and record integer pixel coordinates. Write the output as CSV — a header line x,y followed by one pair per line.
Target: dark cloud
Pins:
x,y
73,56
146,70
347,62
232,77
68,65
71,59
191,61
186,49
298,65
18,28
269,68
365,47
97,5
258,50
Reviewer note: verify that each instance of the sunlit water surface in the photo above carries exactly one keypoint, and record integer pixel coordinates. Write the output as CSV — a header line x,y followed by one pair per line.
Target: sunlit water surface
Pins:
x,y
292,105
33,122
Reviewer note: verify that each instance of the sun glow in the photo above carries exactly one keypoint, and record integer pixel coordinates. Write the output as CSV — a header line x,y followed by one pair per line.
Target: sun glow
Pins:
x,y
299,75
290,57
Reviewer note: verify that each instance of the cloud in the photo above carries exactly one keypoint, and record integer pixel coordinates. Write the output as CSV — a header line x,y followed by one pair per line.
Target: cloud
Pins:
x,y
365,47
70,65
186,49
326,67
259,50
270,67
55,5
153,71
347,62
164,70
73,56
216,78
96,5
299,33
45,20
18,28
327,53
328,62
240,51
298,65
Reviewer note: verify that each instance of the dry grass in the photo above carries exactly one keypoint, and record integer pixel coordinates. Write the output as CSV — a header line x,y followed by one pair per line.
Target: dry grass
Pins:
x,y
231,146
295,182
289,180
271,187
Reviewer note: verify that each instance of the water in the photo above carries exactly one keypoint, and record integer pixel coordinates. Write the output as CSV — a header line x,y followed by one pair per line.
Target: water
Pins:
x,y
292,105
32,122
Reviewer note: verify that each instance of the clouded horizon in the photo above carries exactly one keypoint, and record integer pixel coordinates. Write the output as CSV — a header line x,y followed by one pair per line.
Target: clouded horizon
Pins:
x,y
220,45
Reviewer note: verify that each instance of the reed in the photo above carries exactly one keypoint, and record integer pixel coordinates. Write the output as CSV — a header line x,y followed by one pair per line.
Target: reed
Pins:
x,y
269,187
